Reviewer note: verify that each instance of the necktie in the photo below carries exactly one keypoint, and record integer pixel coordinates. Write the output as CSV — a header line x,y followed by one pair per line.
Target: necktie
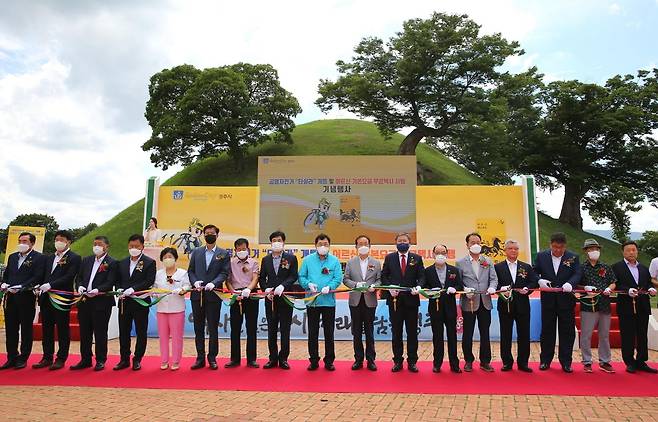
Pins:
x,y
403,265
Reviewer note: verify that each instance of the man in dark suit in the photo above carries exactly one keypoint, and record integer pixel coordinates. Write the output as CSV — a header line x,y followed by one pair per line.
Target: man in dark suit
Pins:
x,y
515,279
443,311
633,308
278,273
405,269
97,275
24,271
135,273
557,268
209,268
59,274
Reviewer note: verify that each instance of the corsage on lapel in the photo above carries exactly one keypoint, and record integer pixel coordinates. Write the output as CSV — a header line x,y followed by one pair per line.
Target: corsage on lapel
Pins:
x,y
103,267
568,262
325,270
284,264
452,276
27,263
62,261
521,272
371,267
220,256
484,263
140,266
412,261
602,272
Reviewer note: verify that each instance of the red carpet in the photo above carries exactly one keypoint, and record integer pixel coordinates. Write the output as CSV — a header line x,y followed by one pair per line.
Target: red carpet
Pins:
x,y
553,382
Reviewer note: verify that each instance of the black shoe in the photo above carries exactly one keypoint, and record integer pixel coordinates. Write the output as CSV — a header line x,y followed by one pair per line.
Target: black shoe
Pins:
x,y
99,366
371,366
544,366
647,368
213,365
123,364
137,365
329,367
436,369
8,364
397,367
455,369
506,368
80,365
486,367
20,364
357,365
253,364
567,369
43,363
58,364
630,369
270,364
412,367
312,366
232,364
198,364
468,366
284,365
525,369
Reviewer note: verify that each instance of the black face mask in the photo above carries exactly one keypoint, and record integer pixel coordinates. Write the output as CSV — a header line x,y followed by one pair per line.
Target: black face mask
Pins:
x,y
210,238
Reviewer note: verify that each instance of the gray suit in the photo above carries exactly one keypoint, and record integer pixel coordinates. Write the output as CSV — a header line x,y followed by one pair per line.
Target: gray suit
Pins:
x,y
353,275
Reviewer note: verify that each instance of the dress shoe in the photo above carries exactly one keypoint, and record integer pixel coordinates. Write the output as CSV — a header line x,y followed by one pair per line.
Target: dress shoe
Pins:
x,y
123,364
567,369
647,368
253,364
329,367
544,366
371,366
58,364
630,369
525,369
99,366
357,365
198,364
20,364
506,368
137,365
213,365
587,368
284,365
412,367
606,367
81,365
270,364
43,363
312,366
468,367
8,364
232,364
436,369
486,367
455,369
397,367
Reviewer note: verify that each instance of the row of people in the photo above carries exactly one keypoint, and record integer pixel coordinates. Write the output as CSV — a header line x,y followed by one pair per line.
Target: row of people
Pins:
x,y
211,267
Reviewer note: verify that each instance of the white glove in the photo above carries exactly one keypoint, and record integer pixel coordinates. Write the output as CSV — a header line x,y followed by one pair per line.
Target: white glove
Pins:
x,y
129,291
504,288
652,291
268,290
313,287
632,292
4,286
246,292
44,287
566,287
14,289
325,290
607,291
394,293
469,292
92,292
209,286
81,290
524,291
590,288
279,290
451,290
360,284
371,288
415,290
198,283
491,291
544,284
176,291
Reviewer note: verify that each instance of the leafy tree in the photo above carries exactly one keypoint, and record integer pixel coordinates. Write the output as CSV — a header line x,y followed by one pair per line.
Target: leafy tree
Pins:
x,y
649,243
81,231
38,220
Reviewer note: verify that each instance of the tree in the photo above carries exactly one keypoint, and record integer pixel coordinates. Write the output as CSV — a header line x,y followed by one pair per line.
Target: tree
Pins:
x,y
77,233
196,113
649,243
39,220
435,77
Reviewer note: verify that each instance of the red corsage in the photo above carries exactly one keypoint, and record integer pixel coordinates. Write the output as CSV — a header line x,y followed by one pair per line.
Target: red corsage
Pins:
x,y
325,270
601,272
452,276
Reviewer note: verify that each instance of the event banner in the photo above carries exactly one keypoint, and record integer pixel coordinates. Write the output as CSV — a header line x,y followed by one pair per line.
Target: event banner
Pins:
x,y
343,196
12,238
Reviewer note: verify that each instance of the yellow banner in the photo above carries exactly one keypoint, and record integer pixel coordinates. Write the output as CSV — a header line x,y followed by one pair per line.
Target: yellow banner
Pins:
x,y
12,238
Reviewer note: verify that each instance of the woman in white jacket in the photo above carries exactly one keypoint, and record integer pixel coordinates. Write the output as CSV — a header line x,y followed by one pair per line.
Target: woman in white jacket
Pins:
x,y
171,309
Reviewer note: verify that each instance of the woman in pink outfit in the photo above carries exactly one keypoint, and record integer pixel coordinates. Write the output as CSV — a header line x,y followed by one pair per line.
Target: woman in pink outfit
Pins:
x,y
171,309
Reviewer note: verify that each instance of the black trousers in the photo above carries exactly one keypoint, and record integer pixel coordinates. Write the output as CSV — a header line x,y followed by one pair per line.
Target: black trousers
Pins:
x,y
566,321
483,317
634,344
208,314
19,315
328,315
407,317
440,319
132,312
249,314
363,319
522,321
52,318
279,317
93,326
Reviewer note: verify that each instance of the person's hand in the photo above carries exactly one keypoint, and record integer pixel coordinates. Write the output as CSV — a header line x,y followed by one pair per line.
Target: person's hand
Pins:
x,y
371,288
92,292
268,290
360,284
394,292
325,290
524,291
81,290
544,284
469,292
504,288
415,290
245,292
14,289
567,288
209,286
652,291
4,286
607,291
632,292
279,290
451,290
128,292
313,287
589,288
491,291
176,291
198,284
44,287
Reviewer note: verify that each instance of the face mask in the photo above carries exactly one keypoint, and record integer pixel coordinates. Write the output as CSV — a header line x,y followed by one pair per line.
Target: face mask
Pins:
x,y
363,250
134,252
402,247
475,249
594,255
323,250
210,238
242,254
169,262
60,246
98,250
440,259
277,246
22,247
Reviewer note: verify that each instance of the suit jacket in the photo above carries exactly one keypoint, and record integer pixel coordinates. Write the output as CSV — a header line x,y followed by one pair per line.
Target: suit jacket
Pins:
x,y
104,280
569,271
525,277
626,281
64,274
287,273
353,276
414,275
29,275
142,277
216,273
453,279
485,278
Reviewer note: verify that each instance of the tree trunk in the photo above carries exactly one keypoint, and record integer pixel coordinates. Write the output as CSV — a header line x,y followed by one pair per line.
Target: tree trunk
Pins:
x,y
570,214
409,144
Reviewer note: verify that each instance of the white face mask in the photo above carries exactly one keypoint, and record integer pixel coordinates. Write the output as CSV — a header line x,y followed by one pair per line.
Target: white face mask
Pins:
x,y
242,254
134,252
323,250
60,246
277,246
475,249
98,250
363,250
594,255
22,247
169,262
440,259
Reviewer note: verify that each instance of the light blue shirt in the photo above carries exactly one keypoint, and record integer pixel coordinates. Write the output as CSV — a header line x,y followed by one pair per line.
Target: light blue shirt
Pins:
x,y
311,272
276,262
635,272
209,255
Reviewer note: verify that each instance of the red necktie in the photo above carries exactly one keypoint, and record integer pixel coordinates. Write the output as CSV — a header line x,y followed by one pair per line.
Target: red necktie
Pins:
x,y
403,265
